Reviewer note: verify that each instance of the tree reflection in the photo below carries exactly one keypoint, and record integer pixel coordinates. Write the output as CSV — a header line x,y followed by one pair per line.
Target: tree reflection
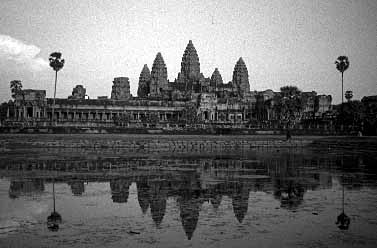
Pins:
x,y
343,221
55,218
289,192
120,190
288,186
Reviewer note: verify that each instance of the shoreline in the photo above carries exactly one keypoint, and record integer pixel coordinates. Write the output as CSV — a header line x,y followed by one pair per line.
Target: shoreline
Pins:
x,y
171,143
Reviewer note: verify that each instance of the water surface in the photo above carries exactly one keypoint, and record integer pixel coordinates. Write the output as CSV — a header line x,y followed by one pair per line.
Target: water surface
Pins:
x,y
231,198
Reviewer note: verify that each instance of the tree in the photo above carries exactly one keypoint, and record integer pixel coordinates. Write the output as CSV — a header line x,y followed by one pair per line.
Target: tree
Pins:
x,y
352,114
290,103
342,64
56,63
15,88
349,95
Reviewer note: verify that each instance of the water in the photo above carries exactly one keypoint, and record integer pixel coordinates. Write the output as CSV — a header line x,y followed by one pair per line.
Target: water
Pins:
x,y
231,198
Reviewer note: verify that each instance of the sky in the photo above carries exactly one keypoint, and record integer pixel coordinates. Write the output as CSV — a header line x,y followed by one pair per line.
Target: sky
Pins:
x,y
282,42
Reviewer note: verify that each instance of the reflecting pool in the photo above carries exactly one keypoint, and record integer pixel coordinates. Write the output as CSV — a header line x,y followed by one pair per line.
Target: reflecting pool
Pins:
x,y
262,197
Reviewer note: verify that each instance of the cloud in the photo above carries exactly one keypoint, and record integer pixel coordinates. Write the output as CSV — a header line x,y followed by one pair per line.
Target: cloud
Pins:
x,y
21,53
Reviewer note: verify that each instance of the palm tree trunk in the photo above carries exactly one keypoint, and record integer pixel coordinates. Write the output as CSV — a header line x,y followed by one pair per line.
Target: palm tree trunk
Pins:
x,y
342,104
342,89
53,104
53,192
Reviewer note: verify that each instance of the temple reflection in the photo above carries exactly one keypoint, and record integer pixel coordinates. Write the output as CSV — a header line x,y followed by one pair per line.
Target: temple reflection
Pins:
x,y
193,180
25,187
240,199
158,197
77,187
120,189
143,194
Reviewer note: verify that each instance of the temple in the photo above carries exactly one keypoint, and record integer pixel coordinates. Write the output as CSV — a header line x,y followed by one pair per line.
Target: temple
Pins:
x,y
190,100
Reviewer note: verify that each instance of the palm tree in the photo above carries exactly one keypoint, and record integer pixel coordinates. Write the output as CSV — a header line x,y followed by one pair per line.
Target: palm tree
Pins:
x,y
342,64
349,95
56,63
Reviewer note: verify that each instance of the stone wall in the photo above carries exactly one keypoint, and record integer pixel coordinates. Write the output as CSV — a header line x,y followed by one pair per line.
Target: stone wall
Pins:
x,y
150,143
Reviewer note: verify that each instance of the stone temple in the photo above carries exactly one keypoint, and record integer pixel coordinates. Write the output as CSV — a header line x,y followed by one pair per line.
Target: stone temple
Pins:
x,y
190,100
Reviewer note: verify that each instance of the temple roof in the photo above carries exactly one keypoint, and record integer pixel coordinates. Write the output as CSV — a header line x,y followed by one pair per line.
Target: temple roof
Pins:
x,y
190,66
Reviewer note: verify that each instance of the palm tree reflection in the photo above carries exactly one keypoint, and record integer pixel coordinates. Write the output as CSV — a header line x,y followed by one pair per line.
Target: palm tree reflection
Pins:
x,y
343,221
55,218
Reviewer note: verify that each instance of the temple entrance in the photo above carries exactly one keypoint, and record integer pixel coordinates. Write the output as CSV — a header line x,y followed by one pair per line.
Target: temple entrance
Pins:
x,y
29,112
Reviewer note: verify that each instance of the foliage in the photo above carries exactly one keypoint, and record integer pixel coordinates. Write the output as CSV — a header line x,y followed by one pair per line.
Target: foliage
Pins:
x,y
370,115
348,95
342,63
290,91
289,104
351,113
56,61
16,88
358,116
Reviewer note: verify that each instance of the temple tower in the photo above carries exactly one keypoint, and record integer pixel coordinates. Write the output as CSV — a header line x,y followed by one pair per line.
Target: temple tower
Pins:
x,y
120,89
159,77
216,79
144,82
79,92
190,66
190,77
241,78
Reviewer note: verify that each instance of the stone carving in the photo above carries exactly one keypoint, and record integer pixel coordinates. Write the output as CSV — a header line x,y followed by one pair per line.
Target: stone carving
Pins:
x,y
159,77
241,78
121,89
144,82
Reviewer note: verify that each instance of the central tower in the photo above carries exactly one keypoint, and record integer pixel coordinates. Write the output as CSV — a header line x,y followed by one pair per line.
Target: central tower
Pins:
x,y
190,66
189,78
